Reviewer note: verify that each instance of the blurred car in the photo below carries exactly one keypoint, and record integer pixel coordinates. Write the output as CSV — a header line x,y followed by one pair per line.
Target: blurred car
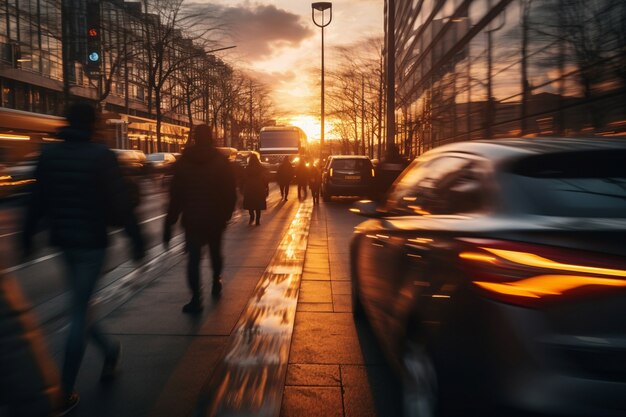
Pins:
x,y
18,177
242,157
494,277
230,153
347,175
161,162
132,162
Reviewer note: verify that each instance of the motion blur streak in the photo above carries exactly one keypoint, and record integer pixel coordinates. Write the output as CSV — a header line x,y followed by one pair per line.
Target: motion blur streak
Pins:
x,y
530,259
473,256
250,379
536,287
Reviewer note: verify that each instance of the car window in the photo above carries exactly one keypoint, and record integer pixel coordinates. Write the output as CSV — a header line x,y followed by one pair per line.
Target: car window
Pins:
x,y
351,164
572,184
444,185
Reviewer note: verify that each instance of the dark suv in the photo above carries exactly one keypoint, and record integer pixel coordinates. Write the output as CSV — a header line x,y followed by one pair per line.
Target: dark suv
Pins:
x,y
347,175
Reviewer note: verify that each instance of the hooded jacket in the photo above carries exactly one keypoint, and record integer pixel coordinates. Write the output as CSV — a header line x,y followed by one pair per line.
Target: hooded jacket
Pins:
x,y
79,186
202,191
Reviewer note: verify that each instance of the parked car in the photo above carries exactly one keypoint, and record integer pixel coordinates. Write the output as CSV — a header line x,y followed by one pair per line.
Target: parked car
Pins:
x,y
161,162
494,277
347,175
132,161
242,157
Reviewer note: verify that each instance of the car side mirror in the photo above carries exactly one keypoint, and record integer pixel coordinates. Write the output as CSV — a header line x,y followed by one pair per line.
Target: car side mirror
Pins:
x,y
366,208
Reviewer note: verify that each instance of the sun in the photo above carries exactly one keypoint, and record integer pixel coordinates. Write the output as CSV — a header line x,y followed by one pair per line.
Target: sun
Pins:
x,y
309,124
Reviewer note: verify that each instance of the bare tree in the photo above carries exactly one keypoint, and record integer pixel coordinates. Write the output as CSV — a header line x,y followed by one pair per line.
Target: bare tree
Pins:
x,y
169,32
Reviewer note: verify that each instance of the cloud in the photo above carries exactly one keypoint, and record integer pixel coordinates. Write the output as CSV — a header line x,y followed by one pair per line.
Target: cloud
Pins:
x,y
259,31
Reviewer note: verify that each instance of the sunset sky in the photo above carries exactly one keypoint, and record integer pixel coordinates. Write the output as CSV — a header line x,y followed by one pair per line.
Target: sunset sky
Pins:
x,y
278,42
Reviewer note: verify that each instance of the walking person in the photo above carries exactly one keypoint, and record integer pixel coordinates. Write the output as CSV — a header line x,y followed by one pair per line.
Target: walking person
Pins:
x,y
202,192
315,182
302,178
255,189
79,191
284,176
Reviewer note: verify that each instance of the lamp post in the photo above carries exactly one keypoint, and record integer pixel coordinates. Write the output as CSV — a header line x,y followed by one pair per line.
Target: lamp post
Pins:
x,y
322,6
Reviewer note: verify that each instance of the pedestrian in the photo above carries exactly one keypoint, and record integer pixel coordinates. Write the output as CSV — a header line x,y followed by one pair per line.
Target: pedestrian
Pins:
x,y
315,182
202,192
79,190
284,176
29,381
302,178
255,189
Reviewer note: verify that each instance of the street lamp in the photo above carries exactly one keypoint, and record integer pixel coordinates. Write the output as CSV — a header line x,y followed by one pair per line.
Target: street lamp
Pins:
x,y
322,6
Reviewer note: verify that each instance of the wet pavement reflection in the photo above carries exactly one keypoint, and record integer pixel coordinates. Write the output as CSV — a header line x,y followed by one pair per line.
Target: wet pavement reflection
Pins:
x,y
250,378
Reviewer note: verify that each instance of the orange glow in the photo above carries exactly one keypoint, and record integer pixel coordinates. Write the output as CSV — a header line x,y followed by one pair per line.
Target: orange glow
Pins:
x,y
530,259
331,172
542,285
92,32
355,210
373,173
14,137
474,256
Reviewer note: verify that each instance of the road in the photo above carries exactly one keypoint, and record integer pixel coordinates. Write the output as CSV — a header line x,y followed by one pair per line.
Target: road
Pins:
x,y
171,360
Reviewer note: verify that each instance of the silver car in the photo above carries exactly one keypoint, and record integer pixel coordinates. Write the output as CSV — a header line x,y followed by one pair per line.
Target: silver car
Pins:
x,y
494,277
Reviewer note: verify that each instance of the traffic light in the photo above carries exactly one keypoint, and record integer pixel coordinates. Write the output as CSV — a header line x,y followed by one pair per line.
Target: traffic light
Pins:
x,y
93,62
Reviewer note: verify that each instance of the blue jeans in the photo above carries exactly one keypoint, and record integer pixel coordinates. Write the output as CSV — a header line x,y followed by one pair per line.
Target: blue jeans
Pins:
x,y
83,270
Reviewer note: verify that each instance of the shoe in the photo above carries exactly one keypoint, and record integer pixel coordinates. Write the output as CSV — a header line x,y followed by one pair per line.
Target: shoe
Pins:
x,y
217,287
258,223
285,198
193,307
109,369
71,401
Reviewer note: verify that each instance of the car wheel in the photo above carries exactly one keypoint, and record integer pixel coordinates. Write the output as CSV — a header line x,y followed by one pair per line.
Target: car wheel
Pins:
x,y
419,382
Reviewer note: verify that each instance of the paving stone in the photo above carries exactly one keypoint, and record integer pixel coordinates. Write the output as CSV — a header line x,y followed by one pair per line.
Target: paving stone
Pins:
x,y
370,391
312,402
325,338
313,375
341,287
315,292
326,307
342,303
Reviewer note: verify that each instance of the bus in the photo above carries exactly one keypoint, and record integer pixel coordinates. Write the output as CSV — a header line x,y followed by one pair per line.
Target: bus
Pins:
x,y
276,142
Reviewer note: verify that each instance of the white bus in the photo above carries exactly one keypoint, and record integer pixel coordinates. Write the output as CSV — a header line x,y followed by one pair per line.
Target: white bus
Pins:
x,y
276,142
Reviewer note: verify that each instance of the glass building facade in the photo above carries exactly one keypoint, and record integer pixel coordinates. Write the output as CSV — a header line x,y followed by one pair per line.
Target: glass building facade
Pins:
x,y
479,69
31,70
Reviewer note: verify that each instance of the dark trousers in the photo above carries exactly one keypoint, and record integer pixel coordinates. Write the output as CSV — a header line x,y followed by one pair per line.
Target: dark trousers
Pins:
x,y
194,251
284,190
253,217
83,270
302,193
315,193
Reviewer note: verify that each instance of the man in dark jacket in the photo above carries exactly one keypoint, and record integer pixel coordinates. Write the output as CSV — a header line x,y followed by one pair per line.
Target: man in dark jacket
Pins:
x,y
78,190
203,190
284,176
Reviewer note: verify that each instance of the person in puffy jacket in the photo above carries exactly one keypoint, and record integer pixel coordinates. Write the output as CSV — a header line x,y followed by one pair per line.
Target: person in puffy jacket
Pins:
x,y
203,192
79,191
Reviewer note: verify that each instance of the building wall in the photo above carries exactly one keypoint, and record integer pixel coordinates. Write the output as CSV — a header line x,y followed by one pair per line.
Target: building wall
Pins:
x,y
476,69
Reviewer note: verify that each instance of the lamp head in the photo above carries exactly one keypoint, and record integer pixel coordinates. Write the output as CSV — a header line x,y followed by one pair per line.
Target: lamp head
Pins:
x,y
321,5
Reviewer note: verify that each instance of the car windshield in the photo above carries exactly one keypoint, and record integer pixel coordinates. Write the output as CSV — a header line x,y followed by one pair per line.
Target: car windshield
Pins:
x,y
156,157
350,164
573,184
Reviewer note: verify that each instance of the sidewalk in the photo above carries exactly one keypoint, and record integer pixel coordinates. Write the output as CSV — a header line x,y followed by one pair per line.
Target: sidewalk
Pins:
x,y
177,365
335,367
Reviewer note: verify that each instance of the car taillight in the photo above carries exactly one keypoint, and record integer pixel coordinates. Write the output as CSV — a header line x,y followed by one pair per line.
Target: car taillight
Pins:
x,y
331,172
531,275
373,173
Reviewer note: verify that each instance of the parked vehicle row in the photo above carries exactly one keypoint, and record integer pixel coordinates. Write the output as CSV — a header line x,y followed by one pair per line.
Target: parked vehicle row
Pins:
x,y
494,277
